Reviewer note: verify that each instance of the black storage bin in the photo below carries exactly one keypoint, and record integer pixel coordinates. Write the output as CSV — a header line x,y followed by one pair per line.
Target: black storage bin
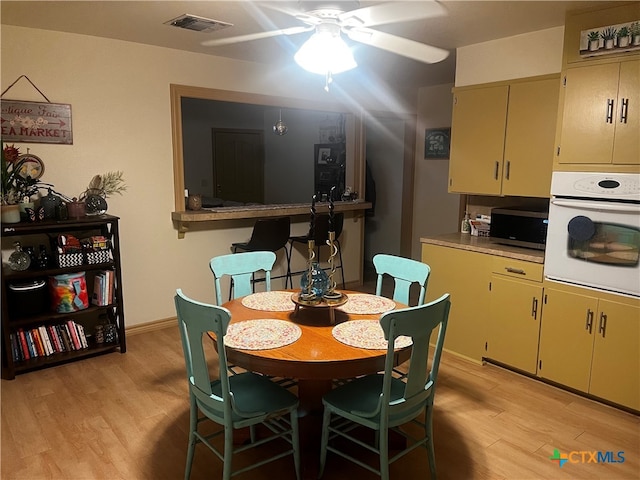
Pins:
x,y
28,298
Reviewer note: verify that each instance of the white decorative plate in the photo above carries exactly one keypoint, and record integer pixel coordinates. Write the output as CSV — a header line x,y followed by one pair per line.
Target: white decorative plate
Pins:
x,y
365,334
261,334
269,301
366,304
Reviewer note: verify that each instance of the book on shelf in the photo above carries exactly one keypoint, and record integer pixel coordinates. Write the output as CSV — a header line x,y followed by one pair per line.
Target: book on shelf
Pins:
x,y
15,347
74,335
82,336
55,343
46,341
30,344
103,285
64,333
38,342
24,345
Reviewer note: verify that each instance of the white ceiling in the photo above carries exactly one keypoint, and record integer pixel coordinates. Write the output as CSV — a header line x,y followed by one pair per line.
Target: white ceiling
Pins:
x,y
466,23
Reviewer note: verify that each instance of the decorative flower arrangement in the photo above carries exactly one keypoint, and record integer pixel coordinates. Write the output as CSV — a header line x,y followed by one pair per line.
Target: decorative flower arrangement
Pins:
x,y
105,185
15,184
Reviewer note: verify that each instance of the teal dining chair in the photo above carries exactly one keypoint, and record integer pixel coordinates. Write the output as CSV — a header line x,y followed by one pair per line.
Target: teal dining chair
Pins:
x,y
241,267
237,401
381,401
405,273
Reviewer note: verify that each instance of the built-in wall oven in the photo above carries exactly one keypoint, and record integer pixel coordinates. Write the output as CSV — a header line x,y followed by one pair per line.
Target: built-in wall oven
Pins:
x,y
593,236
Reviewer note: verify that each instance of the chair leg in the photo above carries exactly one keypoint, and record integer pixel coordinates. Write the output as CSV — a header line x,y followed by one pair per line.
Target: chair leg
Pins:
x,y
288,280
228,453
384,453
193,425
324,440
295,441
430,447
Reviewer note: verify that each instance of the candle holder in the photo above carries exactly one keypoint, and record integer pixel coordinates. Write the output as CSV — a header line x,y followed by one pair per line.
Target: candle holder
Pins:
x,y
331,295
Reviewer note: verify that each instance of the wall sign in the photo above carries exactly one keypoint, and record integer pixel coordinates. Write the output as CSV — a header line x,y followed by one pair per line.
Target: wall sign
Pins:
x,y
437,142
36,122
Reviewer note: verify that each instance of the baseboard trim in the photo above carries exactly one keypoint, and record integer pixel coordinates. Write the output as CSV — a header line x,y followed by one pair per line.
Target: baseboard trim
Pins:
x,y
151,326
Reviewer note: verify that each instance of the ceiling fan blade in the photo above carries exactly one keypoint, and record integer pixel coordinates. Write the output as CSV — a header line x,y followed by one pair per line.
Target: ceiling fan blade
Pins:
x,y
216,42
398,45
392,12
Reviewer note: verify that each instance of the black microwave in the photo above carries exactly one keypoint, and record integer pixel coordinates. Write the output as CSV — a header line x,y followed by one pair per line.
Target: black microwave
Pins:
x,y
519,226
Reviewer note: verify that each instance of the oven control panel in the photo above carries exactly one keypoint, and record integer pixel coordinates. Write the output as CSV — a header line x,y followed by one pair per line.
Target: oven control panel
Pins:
x,y
622,186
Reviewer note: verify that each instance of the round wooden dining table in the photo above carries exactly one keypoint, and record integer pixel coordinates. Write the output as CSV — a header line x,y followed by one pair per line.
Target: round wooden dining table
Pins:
x,y
315,359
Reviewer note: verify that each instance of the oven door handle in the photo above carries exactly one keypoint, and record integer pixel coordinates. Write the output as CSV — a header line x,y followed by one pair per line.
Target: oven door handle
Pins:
x,y
609,207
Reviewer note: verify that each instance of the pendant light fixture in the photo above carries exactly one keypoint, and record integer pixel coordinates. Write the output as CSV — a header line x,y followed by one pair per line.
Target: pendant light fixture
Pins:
x,y
280,128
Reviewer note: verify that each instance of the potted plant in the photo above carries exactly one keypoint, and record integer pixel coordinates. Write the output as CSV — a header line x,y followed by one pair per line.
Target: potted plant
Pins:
x,y
609,36
623,37
594,40
634,31
99,189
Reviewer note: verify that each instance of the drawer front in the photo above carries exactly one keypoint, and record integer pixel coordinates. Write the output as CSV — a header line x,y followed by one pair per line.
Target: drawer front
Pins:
x,y
517,268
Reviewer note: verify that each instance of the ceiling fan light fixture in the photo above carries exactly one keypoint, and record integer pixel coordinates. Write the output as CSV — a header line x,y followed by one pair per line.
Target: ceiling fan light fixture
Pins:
x,y
325,52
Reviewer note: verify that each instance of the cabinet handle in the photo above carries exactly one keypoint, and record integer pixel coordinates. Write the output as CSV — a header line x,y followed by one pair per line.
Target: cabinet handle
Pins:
x,y
519,271
624,110
534,308
609,110
508,170
602,325
589,323
495,174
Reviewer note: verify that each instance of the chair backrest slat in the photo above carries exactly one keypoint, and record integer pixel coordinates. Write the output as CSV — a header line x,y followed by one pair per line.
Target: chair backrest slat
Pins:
x,y
405,272
241,266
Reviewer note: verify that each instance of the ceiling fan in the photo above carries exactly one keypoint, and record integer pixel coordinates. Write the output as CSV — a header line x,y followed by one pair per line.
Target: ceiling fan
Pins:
x,y
330,19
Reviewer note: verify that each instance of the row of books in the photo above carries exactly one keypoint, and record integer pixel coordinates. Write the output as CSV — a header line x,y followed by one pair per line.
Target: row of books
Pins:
x,y
47,340
103,288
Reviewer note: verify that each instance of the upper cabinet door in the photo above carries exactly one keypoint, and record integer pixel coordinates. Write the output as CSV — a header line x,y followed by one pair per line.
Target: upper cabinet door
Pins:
x,y
477,140
530,139
626,149
601,115
587,126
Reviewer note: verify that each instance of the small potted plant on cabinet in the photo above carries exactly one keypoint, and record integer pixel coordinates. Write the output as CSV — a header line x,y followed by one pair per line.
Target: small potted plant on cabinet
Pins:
x,y
634,31
609,37
594,40
623,37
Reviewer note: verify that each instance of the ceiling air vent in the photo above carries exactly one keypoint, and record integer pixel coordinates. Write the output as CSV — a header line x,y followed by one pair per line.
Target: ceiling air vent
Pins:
x,y
199,24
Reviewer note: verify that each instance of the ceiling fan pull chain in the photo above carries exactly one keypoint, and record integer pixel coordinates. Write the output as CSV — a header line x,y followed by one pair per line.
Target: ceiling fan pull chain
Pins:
x,y
328,80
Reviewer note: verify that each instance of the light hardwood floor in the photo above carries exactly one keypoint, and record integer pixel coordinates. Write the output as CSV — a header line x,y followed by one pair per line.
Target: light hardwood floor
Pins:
x,y
126,417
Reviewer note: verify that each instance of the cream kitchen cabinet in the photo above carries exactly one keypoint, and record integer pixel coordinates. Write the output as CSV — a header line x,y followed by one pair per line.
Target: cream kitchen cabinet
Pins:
x,y
590,341
465,276
502,138
513,325
600,115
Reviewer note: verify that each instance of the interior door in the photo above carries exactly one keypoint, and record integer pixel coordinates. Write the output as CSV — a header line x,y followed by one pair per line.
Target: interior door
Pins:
x,y
238,165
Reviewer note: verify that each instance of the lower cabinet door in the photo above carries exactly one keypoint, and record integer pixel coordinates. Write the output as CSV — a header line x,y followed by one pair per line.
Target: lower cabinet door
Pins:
x,y
615,369
514,322
566,338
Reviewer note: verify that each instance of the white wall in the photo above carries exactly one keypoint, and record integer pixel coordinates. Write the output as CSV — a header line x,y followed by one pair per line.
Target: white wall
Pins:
x,y
434,210
520,56
119,96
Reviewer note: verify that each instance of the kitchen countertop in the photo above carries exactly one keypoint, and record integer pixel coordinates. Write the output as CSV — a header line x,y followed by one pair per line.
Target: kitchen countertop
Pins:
x,y
464,241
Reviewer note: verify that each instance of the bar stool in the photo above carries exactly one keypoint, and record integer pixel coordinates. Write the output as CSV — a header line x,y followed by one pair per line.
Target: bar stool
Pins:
x,y
269,234
321,236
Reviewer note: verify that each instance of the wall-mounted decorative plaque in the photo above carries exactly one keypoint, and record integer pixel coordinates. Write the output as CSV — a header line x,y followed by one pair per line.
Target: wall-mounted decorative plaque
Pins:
x,y
36,122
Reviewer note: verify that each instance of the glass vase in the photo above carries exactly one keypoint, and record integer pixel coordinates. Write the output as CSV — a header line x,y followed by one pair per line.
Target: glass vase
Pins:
x,y
319,280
